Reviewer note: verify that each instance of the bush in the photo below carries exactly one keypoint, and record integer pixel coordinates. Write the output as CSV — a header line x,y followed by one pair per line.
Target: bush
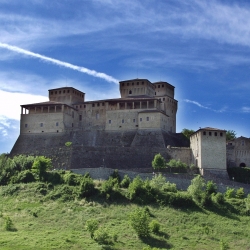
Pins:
x,y
230,193
71,179
87,187
179,199
115,175
91,225
240,194
25,176
139,220
41,165
8,224
177,165
54,177
169,187
154,226
218,198
211,188
196,189
102,237
125,181
247,204
158,181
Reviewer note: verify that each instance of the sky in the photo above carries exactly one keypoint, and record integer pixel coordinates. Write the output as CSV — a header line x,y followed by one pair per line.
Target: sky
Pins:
x,y
200,47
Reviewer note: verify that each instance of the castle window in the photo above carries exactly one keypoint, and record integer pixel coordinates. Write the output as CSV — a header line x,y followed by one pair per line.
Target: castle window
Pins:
x,y
68,90
209,133
80,106
162,85
41,124
215,133
98,104
55,92
163,99
93,105
140,119
51,92
77,107
122,120
73,114
147,118
142,83
155,93
122,84
137,83
127,83
221,134
103,104
63,91
242,143
130,92
204,133
26,125
133,120
132,83
109,121
60,92
72,125
57,124
80,117
159,86
84,106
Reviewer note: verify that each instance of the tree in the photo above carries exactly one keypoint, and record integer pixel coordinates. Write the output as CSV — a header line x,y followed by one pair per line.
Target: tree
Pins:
x,y
158,162
197,188
41,165
187,132
230,135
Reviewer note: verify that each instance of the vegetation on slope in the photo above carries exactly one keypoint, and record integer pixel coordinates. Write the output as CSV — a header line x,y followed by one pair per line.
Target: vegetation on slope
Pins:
x,y
62,210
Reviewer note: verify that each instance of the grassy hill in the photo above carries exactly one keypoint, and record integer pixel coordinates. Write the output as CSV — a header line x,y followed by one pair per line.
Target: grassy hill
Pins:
x,y
41,209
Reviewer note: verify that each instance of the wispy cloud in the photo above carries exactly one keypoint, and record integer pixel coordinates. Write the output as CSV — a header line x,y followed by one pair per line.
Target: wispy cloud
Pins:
x,y
205,107
60,63
245,109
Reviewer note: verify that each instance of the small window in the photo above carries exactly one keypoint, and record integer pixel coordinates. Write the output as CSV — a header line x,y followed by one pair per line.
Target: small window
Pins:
x,y
122,84
55,92
103,104
57,124
26,125
155,93
84,106
204,133
162,85
140,119
142,83
72,125
41,124
51,92
127,83
132,83
93,105
163,99
80,117
122,120
73,115
209,133
60,92
98,104
221,134
109,121
77,107
137,83
68,90
64,92
159,86
80,106
133,120
147,118
215,133
130,92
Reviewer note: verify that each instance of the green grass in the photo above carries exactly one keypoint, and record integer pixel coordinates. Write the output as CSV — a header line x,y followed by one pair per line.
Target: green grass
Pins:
x,y
41,223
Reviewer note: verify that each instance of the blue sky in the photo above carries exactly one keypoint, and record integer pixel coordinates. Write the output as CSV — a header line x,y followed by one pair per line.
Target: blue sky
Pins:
x,y
200,47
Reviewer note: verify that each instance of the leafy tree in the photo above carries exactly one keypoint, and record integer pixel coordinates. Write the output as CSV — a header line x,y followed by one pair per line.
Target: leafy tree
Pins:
x,y
139,220
230,135
41,165
158,162
187,132
197,189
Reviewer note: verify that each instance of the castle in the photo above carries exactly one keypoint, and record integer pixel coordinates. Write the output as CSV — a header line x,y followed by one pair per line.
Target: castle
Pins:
x,y
122,133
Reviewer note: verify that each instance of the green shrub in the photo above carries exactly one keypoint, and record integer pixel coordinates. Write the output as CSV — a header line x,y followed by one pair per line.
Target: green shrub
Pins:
x,y
179,199
197,189
25,176
54,177
8,224
158,162
158,181
115,175
125,181
154,226
247,204
41,165
223,245
139,220
71,179
218,198
211,188
87,187
240,194
169,187
91,225
102,237
230,193
177,165
63,192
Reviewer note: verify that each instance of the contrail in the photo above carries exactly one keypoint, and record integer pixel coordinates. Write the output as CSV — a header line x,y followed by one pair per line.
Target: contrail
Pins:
x,y
61,63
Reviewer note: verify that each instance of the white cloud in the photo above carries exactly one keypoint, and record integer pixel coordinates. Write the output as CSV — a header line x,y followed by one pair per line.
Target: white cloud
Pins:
x,y
204,107
60,63
245,109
